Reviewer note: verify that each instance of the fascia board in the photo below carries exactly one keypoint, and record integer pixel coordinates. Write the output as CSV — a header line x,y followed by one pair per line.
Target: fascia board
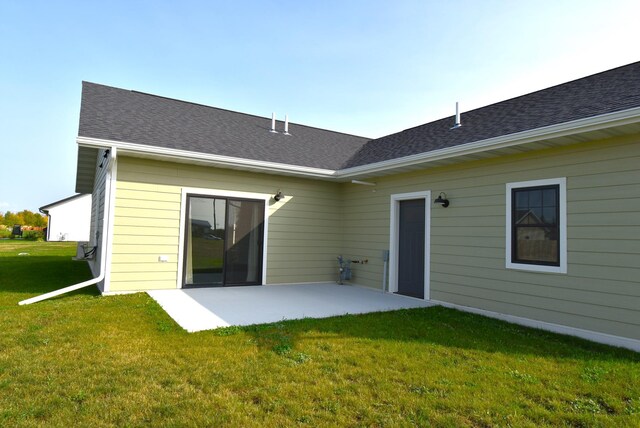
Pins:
x,y
553,131
61,202
225,161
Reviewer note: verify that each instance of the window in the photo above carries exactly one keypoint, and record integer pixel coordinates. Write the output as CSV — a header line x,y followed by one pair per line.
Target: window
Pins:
x,y
224,241
536,225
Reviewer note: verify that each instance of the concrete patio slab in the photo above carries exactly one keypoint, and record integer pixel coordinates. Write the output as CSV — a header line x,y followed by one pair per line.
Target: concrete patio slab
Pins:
x,y
209,308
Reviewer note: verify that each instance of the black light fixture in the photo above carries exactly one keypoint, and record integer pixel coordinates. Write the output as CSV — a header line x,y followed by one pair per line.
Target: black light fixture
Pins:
x,y
442,200
278,196
104,158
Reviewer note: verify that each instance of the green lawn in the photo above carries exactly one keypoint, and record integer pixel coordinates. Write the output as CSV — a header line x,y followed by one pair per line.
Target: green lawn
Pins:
x,y
85,360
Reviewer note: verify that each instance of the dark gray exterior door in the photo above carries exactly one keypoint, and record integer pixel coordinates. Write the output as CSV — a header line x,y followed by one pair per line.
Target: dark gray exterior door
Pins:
x,y
411,236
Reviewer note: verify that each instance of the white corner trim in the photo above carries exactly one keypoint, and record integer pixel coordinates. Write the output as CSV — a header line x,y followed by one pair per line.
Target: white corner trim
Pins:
x,y
266,197
394,226
181,237
594,336
113,180
562,184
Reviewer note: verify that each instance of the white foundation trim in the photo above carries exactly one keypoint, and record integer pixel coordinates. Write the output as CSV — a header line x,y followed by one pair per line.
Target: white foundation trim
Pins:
x,y
307,283
292,284
394,235
594,336
266,197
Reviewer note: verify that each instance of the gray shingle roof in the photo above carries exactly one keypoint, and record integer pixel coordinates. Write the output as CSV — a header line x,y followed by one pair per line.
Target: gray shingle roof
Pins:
x,y
134,117
606,92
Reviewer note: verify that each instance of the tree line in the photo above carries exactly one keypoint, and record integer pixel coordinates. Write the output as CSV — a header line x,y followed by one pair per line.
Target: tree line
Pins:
x,y
23,218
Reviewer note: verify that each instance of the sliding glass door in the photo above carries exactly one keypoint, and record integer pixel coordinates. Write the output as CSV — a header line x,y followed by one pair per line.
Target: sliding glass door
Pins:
x,y
224,241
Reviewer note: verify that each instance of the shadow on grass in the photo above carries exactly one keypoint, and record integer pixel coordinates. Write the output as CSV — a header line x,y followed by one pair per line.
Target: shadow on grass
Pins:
x,y
34,275
435,327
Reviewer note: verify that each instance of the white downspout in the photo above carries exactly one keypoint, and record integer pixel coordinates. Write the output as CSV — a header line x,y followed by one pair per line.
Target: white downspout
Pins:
x,y
103,247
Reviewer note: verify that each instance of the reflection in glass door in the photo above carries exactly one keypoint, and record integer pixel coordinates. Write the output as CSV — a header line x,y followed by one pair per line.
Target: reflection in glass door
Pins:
x,y
224,241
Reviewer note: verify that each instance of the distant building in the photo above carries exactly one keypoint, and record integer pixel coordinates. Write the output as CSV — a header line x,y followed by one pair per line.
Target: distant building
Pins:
x,y
69,219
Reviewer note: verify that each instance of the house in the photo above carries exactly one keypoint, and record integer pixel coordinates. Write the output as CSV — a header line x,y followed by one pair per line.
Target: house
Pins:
x,y
526,210
69,218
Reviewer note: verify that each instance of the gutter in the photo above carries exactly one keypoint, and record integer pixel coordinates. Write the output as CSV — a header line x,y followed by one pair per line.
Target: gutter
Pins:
x,y
218,160
594,123
103,254
46,212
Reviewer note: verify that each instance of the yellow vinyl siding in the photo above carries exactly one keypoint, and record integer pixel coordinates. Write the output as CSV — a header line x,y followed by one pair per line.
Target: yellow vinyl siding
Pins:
x,y
601,290
146,226
304,230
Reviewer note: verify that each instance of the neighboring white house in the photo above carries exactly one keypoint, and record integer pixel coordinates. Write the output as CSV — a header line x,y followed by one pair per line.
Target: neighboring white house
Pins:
x,y
69,219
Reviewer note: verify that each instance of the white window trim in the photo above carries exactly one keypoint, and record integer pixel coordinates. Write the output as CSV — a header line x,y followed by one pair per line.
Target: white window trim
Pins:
x,y
394,234
224,193
562,184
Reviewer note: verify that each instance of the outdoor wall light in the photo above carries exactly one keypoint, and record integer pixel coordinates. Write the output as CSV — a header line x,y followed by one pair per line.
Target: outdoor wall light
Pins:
x,y
104,158
278,196
442,200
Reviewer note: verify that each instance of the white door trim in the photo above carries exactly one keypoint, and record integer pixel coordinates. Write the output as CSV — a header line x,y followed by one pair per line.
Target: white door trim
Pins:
x,y
224,193
394,236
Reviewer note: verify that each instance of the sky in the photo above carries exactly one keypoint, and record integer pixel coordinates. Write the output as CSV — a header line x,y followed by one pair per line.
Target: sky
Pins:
x,y
368,68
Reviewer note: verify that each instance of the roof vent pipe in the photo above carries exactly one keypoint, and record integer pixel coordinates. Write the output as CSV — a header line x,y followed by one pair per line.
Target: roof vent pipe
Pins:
x,y
457,124
286,124
273,123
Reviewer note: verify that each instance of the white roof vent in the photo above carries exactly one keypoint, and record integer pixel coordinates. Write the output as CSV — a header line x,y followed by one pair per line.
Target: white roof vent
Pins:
x,y
458,124
286,124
